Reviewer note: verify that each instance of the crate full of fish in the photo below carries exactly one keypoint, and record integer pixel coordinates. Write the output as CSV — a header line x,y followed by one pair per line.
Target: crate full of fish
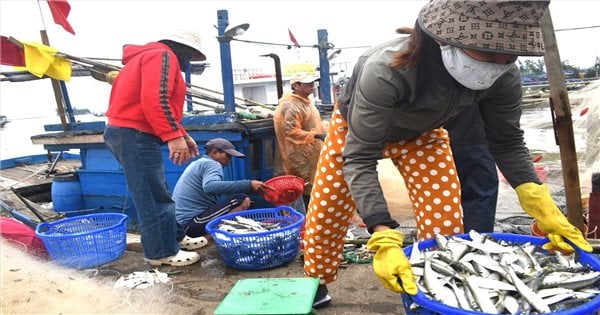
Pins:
x,y
257,239
500,273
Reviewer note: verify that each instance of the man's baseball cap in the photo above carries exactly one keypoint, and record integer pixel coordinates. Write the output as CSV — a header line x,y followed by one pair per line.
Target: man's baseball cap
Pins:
x,y
303,77
223,145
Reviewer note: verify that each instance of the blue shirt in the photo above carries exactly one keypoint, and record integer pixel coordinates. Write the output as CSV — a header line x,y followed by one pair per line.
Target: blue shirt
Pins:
x,y
200,186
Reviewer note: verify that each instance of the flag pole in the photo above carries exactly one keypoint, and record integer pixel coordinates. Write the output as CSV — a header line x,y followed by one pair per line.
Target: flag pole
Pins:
x,y
58,95
41,15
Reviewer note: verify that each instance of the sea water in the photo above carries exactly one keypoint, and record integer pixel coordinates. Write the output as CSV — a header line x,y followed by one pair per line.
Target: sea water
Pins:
x,y
31,105
15,136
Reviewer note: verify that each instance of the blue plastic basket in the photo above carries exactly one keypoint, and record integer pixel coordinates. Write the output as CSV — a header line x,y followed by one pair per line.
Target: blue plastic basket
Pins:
x,y
259,250
427,306
85,241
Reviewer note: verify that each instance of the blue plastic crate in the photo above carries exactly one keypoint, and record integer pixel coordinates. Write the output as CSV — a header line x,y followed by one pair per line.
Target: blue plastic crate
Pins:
x,y
259,250
427,306
85,241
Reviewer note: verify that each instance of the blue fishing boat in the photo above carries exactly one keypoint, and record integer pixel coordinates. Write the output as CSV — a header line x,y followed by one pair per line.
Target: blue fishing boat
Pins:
x,y
99,182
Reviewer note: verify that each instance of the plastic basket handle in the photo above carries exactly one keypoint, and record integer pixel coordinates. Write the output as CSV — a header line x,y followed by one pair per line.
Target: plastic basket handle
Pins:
x,y
42,227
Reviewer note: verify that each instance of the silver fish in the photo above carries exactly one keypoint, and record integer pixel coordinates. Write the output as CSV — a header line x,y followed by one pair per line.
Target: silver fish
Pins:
x,y
481,274
531,297
511,304
432,282
461,297
481,295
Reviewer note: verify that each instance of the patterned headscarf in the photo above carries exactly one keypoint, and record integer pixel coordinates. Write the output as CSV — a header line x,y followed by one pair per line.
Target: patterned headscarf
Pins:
x,y
500,26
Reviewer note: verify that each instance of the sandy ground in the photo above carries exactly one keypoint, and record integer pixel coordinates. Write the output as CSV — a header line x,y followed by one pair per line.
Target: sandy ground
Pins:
x,y
32,286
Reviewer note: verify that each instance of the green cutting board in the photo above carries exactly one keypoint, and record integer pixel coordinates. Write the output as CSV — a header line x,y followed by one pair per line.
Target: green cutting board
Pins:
x,y
270,296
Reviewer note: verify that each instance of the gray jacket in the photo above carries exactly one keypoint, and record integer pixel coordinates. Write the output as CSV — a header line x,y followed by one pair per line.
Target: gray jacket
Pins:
x,y
384,105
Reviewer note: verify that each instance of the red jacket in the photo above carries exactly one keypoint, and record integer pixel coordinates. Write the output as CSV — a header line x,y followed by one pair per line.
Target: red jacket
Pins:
x,y
149,92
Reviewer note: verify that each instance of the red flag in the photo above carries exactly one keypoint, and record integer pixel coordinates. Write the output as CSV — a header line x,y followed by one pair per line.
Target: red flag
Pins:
x,y
60,11
293,39
10,53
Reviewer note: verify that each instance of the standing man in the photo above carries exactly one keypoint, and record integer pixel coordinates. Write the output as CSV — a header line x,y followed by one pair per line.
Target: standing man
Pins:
x,y
145,111
199,189
299,133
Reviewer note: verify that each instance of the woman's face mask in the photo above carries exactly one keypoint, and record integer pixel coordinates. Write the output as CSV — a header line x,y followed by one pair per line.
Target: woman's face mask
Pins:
x,y
471,73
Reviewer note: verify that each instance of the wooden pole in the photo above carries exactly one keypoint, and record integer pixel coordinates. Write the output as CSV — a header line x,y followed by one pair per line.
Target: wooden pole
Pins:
x,y
563,124
56,87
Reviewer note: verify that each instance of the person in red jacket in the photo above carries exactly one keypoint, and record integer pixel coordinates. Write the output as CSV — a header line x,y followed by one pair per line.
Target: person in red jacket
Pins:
x,y
145,111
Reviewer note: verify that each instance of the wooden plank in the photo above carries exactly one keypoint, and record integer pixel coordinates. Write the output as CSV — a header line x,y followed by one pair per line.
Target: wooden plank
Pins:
x,y
72,139
563,123
58,96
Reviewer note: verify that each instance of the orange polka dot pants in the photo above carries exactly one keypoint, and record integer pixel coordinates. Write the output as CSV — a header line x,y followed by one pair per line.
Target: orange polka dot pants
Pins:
x,y
425,163
427,166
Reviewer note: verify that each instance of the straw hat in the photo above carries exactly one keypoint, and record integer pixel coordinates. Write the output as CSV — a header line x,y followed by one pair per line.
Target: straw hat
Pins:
x,y
500,26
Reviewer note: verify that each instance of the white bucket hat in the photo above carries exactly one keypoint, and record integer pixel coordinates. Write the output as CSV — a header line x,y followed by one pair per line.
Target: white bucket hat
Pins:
x,y
188,38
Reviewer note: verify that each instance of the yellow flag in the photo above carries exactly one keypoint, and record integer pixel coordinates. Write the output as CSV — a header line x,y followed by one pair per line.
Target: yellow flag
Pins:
x,y
40,60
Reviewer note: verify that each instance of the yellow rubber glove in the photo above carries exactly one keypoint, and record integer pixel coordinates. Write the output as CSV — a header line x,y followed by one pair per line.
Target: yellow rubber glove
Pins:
x,y
537,202
390,263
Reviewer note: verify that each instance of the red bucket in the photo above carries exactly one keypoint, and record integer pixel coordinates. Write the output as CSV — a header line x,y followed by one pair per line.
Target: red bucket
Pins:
x,y
286,189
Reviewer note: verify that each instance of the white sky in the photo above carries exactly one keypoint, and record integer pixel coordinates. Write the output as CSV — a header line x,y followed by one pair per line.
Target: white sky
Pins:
x,y
102,27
